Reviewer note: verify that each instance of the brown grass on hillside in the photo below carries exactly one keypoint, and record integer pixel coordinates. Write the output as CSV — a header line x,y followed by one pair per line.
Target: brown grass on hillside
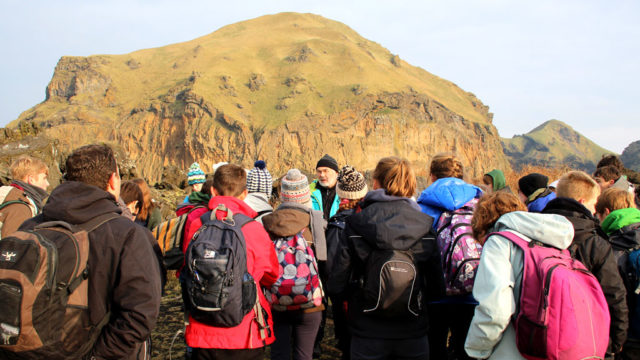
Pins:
x,y
512,177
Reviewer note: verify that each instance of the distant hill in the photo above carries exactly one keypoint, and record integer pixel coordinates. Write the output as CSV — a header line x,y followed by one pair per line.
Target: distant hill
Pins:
x,y
631,156
551,144
284,88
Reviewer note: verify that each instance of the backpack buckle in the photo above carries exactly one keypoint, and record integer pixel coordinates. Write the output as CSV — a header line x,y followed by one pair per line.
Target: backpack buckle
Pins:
x,y
227,219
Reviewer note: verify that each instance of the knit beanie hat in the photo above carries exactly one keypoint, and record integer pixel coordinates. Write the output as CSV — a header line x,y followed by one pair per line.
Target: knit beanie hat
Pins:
x,y
295,188
195,175
259,179
351,184
328,161
528,184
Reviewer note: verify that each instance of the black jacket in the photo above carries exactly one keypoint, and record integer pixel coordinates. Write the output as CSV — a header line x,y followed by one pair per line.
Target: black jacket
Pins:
x,y
590,246
624,241
124,276
386,222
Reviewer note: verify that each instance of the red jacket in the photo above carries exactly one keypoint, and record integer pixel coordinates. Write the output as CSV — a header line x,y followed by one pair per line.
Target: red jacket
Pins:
x,y
262,264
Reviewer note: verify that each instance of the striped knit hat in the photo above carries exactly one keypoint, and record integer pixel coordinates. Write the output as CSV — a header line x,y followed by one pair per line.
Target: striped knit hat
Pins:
x,y
351,184
295,188
195,175
259,179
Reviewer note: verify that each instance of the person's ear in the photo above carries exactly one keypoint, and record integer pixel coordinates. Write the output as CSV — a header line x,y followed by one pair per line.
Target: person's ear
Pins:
x,y
243,195
112,183
214,191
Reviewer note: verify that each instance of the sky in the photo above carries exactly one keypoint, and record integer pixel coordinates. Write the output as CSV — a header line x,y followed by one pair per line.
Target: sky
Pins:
x,y
529,61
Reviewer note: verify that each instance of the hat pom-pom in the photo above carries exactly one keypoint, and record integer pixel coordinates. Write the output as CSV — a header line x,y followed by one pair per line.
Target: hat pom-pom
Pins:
x,y
260,164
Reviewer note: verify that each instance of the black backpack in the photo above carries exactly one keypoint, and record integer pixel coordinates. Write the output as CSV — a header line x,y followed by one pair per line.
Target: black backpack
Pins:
x,y
391,287
216,286
44,310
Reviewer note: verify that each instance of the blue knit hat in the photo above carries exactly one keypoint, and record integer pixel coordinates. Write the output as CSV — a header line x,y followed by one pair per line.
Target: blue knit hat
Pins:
x,y
195,175
259,179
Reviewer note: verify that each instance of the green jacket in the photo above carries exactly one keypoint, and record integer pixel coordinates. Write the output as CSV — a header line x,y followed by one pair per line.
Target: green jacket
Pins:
x,y
316,200
620,218
499,181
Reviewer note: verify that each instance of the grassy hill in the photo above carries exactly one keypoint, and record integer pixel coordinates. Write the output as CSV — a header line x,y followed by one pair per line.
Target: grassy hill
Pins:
x,y
631,156
553,143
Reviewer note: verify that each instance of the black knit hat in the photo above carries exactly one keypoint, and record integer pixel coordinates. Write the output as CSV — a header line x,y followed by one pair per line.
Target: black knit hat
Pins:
x,y
351,184
328,161
528,184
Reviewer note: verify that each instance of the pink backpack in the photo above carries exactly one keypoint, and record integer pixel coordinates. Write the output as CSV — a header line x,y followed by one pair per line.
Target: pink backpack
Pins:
x,y
298,286
459,251
563,313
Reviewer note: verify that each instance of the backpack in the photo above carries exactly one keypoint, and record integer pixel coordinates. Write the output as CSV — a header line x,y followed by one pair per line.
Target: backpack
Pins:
x,y
170,237
563,313
217,288
44,291
298,285
391,286
459,251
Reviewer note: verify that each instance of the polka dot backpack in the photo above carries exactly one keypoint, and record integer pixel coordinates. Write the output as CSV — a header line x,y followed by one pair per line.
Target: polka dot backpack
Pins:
x,y
298,285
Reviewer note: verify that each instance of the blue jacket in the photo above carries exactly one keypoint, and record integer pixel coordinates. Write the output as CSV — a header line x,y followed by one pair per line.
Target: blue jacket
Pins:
x,y
540,203
316,200
446,194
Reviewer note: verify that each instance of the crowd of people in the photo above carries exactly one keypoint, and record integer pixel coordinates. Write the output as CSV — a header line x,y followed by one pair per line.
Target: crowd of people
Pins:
x,y
457,272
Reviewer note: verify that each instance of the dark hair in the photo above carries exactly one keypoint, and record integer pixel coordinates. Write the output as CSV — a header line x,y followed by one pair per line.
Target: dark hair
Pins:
x,y
608,173
146,205
395,176
446,165
230,180
206,188
611,160
130,192
92,165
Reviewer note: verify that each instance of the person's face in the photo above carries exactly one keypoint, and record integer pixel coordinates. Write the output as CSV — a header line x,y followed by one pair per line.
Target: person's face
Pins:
x,y
39,180
603,183
327,177
133,207
522,197
197,187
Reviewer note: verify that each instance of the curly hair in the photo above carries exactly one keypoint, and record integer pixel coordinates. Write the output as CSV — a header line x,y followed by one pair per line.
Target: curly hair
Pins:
x,y
489,209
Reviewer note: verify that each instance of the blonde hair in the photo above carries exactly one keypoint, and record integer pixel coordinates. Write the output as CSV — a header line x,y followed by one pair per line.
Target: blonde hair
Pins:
x,y
147,205
26,165
395,176
489,209
577,185
446,165
614,199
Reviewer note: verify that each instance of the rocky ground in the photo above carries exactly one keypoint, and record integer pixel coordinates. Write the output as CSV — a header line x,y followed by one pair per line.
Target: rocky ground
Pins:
x,y
168,340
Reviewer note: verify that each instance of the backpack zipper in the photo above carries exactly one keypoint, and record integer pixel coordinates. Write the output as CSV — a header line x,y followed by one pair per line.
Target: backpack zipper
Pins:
x,y
455,275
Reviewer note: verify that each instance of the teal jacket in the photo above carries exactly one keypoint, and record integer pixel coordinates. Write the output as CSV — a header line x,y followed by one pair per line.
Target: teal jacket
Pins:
x,y
316,200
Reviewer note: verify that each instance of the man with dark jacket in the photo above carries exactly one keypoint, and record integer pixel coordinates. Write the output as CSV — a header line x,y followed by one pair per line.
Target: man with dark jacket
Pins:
x,y
124,275
24,197
577,195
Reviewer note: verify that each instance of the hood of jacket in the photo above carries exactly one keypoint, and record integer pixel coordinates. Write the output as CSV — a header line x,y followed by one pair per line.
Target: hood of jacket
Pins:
x,y
390,222
583,221
76,203
622,183
620,218
499,181
258,202
551,229
286,222
626,238
446,194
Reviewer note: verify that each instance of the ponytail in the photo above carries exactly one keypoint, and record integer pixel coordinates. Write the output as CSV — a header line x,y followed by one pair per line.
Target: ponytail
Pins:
x,y
396,176
446,165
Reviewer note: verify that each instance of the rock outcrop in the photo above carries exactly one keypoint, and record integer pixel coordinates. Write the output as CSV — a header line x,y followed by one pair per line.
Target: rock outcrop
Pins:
x,y
631,156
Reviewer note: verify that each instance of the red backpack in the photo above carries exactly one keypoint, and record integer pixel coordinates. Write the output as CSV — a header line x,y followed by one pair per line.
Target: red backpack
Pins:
x,y
563,313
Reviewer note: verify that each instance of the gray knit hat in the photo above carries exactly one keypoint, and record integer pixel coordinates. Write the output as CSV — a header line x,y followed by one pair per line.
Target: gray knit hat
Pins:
x,y
295,187
259,179
351,184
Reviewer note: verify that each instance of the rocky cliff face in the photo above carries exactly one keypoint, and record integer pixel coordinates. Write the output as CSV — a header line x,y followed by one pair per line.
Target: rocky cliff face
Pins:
x,y
287,104
631,156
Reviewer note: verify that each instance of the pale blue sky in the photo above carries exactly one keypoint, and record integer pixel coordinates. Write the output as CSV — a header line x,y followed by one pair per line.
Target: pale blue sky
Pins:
x,y
530,61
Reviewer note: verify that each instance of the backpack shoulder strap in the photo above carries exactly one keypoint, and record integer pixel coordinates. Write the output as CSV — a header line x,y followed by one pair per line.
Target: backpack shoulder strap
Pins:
x,y
521,243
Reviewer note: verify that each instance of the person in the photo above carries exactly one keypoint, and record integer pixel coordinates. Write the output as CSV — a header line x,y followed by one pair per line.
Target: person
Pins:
x,y
496,181
533,191
195,178
259,186
447,195
149,214
296,329
351,188
124,277
621,222
24,197
131,195
389,222
323,189
577,195
242,341
499,278
610,176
